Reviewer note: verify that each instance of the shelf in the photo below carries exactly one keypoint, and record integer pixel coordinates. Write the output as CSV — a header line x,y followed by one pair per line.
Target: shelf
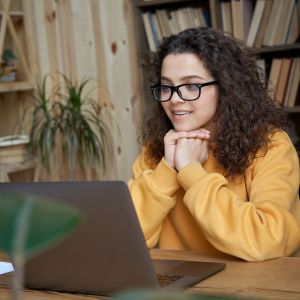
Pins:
x,y
295,109
16,86
161,2
279,48
14,13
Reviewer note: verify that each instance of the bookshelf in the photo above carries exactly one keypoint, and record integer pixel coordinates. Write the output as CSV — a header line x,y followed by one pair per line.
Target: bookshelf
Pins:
x,y
270,27
16,75
16,85
13,36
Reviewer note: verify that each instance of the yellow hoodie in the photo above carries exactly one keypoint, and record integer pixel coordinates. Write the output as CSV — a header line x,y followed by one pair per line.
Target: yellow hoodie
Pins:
x,y
254,217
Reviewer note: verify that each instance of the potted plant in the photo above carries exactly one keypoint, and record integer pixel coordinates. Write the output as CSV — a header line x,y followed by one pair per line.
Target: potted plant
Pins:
x,y
8,69
86,138
68,121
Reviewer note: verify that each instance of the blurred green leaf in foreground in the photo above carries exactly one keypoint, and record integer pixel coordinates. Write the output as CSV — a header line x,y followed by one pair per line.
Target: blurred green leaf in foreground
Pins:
x,y
30,224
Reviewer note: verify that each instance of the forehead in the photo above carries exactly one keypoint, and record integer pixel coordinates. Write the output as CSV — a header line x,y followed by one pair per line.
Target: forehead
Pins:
x,y
183,64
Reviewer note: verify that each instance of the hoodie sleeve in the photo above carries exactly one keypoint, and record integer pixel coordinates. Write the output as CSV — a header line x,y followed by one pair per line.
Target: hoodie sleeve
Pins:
x,y
153,193
265,227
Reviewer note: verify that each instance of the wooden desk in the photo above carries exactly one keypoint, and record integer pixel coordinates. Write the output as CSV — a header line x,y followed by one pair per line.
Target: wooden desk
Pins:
x,y
273,279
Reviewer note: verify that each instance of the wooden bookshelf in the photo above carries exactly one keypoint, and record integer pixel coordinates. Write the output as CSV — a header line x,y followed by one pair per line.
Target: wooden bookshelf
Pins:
x,y
16,93
13,37
16,86
246,9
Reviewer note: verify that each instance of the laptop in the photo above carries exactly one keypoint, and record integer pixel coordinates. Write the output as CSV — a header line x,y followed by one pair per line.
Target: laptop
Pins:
x,y
107,252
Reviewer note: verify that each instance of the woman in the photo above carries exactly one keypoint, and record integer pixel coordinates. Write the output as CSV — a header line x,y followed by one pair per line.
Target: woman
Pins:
x,y
217,173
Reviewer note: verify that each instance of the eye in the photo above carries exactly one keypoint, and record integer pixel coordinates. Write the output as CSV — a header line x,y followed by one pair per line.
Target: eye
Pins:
x,y
191,87
164,89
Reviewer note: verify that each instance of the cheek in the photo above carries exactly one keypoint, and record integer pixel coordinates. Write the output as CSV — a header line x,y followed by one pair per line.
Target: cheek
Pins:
x,y
165,106
214,105
211,102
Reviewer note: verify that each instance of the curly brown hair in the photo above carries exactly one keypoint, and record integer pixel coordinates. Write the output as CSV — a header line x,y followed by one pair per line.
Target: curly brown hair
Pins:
x,y
247,113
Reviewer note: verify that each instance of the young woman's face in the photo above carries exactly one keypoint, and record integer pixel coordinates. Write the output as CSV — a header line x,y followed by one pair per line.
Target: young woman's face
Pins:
x,y
189,115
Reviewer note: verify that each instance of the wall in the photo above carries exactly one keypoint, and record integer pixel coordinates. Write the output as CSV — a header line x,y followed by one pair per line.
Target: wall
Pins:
x,y
92,38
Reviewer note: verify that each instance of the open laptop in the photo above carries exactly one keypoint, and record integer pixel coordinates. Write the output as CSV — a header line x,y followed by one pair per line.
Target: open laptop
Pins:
x,y
107,253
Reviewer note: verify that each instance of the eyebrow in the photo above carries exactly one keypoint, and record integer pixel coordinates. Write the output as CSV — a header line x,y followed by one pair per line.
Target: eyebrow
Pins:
x,y
182,78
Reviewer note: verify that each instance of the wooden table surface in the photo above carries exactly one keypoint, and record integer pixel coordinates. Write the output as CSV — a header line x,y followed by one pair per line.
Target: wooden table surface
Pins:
x,y
272,279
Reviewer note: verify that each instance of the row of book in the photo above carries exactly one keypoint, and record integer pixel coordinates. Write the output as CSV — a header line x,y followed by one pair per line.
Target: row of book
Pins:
x,y
162,22
258,23
261,22
284,79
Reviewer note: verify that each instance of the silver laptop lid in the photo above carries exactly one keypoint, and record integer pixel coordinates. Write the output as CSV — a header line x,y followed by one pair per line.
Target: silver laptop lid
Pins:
x,y
105,254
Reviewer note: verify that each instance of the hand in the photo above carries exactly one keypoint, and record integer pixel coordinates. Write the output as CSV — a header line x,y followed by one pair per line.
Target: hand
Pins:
x,y
170,146
171,140
189,150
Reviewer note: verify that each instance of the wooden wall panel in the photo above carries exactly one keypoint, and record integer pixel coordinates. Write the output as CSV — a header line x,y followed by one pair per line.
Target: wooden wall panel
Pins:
x,y
41,37
66,36
95,38
117,49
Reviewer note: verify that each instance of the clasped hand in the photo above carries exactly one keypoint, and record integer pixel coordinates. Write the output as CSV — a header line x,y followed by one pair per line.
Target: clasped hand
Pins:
x,y
183,148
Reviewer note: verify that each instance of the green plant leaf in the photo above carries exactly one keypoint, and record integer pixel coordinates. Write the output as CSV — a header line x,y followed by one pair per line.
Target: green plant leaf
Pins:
x,y
170,295
8,55
67,120
37,221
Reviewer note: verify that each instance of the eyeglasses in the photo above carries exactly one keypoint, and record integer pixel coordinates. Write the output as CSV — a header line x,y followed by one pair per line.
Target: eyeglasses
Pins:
x,y
187,91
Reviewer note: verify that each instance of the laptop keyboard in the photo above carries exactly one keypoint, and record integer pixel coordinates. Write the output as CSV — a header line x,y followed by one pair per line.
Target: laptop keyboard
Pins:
x,y
165,279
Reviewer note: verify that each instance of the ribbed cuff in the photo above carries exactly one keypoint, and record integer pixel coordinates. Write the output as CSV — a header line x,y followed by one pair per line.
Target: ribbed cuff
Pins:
x,y
164,178
190,174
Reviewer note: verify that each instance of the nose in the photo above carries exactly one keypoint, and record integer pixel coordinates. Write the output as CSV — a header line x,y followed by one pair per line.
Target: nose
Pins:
x,y
175,98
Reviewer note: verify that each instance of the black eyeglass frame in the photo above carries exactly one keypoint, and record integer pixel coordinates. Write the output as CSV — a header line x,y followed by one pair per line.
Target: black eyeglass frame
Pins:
x,y
176,89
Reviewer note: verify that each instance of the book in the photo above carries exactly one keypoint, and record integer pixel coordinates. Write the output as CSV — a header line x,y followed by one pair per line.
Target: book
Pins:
x,y
199,12
216,14
236,23
226,17
173,22
14,149
181,19
285,17
163,22
155,29
190,17
246,17
293,87
263,24
294,27
289,83
283,79
273,23
274,74
241,17
148,30
13,140
255,22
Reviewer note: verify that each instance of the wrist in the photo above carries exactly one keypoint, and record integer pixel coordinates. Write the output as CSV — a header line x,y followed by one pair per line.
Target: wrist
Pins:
x,y
170,163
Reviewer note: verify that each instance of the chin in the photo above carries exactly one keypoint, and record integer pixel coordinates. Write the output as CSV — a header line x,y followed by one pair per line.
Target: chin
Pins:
x,y
184,128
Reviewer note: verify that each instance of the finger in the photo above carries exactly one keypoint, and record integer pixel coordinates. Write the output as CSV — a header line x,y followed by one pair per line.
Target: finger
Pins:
x,y
188,134
200,134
